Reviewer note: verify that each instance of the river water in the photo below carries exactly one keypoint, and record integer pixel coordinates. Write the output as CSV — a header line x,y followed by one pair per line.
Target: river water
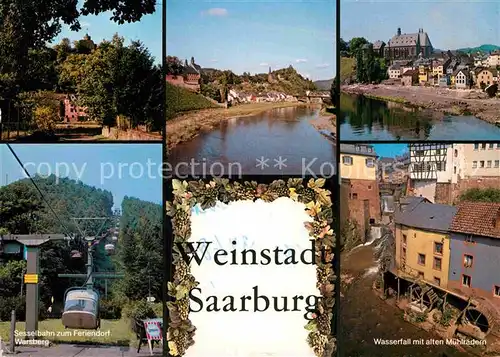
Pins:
x,y
239,145
363,118
365,317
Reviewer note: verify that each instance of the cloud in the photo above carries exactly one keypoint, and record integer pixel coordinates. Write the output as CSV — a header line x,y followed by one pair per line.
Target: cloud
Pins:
x,y
300,60
84,24
216,11
322,65
214,60
264,64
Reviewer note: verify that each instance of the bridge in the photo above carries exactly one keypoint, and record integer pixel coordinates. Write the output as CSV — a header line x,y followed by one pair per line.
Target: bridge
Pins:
x,y
315,97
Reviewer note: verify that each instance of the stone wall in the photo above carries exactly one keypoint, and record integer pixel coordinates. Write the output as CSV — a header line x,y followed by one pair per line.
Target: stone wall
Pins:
x,y
444,193
114,133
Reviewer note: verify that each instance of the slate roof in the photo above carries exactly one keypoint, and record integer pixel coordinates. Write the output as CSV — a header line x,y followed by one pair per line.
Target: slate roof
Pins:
x,y
427,216
477,218
410,39
378,44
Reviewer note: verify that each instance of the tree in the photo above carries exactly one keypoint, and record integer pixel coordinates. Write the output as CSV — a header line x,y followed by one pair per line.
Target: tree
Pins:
x,y
360,68
343,48
117,80
334,95
356,44
29,25
174,65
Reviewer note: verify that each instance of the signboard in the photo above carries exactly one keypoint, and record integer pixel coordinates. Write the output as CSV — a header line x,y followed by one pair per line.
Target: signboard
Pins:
x,y
246,304
153,330
153,333
31,278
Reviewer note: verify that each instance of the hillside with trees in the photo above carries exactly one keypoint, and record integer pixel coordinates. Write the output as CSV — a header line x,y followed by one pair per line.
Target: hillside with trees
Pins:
x,y
23,211
181,100
215,82
359,63
109,78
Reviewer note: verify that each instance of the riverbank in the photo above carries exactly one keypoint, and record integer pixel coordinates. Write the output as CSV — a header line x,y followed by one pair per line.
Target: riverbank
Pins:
x,y
186,126
448,101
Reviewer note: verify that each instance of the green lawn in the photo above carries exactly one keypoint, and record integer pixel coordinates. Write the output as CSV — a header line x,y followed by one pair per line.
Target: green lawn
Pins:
x,y
113,332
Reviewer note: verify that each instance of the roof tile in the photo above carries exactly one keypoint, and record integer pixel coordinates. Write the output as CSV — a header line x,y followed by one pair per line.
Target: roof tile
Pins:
x,y
478,218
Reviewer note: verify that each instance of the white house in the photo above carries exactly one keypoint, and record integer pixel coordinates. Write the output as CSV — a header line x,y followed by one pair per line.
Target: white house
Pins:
x,y
461,79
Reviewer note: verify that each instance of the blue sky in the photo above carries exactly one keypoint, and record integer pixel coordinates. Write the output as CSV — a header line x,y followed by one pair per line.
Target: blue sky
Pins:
x,y
450,24
390,150
100,27
251,36
112,167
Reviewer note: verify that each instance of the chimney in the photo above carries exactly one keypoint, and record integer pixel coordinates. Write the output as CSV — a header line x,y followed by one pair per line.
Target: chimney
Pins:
x,y
185,63
399,31
192,61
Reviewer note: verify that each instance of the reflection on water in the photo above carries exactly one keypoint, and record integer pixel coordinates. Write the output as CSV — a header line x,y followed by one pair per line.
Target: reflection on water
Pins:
x,y
363,118
284,133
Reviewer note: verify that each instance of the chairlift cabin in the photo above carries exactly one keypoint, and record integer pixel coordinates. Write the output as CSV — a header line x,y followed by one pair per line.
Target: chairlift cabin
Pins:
x,y
81,309
114,238
109,248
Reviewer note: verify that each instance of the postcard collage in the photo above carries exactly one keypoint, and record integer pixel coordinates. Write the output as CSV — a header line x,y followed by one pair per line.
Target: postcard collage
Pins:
x,y
151,150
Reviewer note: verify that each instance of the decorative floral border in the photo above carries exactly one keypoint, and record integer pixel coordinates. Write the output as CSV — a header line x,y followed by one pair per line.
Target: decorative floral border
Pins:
x,y
181,331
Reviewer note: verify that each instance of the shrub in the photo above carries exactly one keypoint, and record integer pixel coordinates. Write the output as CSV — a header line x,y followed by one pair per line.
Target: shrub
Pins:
x,y
45,118
110,309
7,304
139,310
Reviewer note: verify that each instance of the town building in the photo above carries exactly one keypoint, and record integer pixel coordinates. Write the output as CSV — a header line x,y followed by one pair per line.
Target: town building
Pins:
x,y
408,46
72,111
474,250
462,79
433,170
494,59
484,77
358,170
189,78
394,71
422,242
378,48
410,77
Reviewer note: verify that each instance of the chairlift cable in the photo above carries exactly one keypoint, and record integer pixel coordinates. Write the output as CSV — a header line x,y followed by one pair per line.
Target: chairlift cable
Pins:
x,y
38,189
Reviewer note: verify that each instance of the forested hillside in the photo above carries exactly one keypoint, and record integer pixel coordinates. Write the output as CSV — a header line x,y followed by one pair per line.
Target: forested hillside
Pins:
x,y
23,211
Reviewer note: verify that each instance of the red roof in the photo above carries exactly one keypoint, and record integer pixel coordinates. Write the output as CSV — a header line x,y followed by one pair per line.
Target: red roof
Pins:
x,y
477,218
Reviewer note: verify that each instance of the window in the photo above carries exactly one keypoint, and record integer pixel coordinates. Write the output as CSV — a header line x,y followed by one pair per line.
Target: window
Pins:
x,y
468,260
496,290
420,275
437,281
466,280
354,196
497,163
469,239
476,146
441,166
421,259
454,169
488,163
481,164
438,248
490,146
347,160
370,162
483,146
404,240
437,263
369,187
474,164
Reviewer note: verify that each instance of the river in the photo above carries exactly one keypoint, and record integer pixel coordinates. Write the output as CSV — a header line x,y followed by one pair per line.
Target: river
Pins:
x,y
238,145
363,118
365,317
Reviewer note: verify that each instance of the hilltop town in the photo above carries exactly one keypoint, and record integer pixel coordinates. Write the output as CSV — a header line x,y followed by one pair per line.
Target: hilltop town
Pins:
x,y
433,216
224,86
408,69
